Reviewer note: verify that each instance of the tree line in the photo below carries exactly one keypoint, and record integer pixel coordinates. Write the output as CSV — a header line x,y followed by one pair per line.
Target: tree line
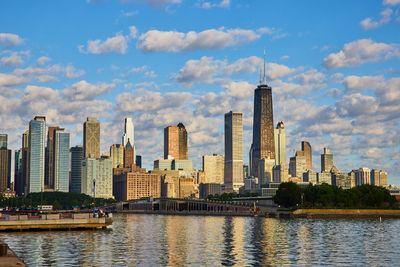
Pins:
x,y
331,196
59,200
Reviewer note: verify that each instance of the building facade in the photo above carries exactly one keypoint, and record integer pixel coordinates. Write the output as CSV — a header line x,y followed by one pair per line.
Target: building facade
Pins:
x,y
129,134
91,138
233,169
263,145
363,176
50,160
97,177
5,168
129,155
61,161
76,169
306,148
136,185
117,155
326,160
37,139
297,165
3,140
213,167
183,144
171,142
280,144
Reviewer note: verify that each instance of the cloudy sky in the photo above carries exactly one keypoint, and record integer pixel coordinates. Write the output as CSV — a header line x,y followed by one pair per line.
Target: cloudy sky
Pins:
x,y
334,67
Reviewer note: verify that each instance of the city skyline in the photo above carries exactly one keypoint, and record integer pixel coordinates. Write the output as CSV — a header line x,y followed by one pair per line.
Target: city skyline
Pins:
x,y
328,91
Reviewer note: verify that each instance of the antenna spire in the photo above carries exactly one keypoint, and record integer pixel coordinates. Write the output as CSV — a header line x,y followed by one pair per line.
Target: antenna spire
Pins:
x,y
260,76
265,82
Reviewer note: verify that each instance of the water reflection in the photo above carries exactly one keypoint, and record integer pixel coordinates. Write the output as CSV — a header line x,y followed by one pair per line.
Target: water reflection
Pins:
x,y
196,240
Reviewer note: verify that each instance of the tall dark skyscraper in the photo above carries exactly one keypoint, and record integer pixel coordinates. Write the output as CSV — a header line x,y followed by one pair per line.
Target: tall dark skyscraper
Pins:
x,y
183,151
50,159
5,164
263,146
175,142
76,169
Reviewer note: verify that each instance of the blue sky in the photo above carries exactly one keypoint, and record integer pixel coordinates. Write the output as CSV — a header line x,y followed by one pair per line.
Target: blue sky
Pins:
x,y
333,65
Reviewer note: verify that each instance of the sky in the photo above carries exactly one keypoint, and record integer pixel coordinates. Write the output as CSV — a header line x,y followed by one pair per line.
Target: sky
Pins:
x,y
334,69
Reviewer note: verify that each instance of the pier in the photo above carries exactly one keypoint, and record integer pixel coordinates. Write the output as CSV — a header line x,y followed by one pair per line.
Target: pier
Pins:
x,y
62,221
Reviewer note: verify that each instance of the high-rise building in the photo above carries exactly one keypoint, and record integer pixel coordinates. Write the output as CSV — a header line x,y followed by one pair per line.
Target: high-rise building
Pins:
x,y
306,148
280,144
97,177
3,140
263,145
91,137
139,161
117,155
25,162
175,142
136,185
61,160
171,142
37,140
183,149
265,171
326,160
297,165
375,177
129,158
5,168
76,168
129,134
213,167
50,161
18,183
363,176
383,178
233,170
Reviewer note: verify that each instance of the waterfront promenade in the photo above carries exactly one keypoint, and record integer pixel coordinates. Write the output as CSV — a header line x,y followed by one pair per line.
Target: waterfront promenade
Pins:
x,y
62,221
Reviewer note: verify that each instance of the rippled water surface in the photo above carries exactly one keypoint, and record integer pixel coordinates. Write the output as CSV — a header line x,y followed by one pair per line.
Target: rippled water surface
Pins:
x,y
205,240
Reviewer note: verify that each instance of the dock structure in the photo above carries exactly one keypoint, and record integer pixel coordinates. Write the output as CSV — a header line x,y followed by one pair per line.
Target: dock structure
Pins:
x,y
54,222
8,257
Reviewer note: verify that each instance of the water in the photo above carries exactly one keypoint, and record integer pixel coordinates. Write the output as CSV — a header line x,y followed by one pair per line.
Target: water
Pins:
x,y
204,240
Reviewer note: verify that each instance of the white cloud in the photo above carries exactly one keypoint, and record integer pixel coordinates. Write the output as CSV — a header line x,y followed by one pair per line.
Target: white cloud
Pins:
x,y
355,83
391,2
173,41
138,69
133,31
85,91
276,71
10,79
10,40
12,60
368,23
311,76
42,60
285,57
161,3
71,72
360,52
208,5
356,105
117,44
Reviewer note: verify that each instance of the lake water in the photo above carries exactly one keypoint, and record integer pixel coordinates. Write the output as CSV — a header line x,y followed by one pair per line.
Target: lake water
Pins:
x,y
160,240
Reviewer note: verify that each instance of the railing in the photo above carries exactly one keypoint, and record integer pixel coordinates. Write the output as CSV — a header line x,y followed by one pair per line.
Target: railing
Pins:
x,y
61,216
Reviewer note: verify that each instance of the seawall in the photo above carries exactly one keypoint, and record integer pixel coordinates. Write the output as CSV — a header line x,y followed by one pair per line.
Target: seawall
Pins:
x,y
345,213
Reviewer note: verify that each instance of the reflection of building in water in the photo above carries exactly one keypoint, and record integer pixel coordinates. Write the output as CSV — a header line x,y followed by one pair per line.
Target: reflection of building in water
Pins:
x,y
305,245
274,242
177,234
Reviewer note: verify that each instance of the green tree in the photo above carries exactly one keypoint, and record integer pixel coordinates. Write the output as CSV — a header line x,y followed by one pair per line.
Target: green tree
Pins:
x,y
288,195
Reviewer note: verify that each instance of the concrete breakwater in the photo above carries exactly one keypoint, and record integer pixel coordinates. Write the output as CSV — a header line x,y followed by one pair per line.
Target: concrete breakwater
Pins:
x,y
20,222
345,213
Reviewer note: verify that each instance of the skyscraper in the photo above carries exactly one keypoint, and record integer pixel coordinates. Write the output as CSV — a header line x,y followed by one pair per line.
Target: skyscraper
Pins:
x,y
5,168
129,133
233,171
49,167
129,151
183,150
37,140
25,162
214,167
280,144
297,165
61,160
117,155
3,140
91,137
263,126
18,182
76,168
171,142
326,160
306,147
